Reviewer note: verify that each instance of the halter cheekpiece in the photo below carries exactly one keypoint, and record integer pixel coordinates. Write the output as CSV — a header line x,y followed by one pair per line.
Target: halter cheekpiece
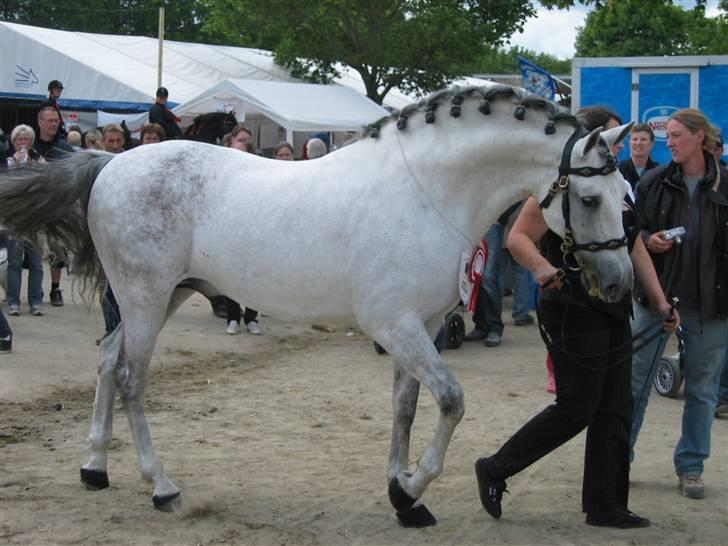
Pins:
x,y
568,246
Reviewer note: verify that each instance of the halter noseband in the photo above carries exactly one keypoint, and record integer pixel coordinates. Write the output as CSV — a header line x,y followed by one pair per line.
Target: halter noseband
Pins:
x,y
568,247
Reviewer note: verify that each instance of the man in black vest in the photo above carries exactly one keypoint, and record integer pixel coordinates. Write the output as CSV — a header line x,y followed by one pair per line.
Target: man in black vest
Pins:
x,y
161,115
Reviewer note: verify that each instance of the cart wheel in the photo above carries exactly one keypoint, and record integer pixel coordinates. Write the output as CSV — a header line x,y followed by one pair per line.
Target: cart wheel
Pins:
x,y
669,376
454,331
380,350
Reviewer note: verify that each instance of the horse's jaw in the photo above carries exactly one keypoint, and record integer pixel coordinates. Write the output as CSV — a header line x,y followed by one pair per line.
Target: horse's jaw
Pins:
x,y
608,275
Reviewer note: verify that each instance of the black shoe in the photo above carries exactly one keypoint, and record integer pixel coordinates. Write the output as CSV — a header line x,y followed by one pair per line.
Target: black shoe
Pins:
x,y
6,345
476,334
621,518
56,298
491,491
493,339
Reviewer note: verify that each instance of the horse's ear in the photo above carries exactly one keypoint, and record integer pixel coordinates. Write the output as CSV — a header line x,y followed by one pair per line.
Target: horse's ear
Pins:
x,y
590,141
617,134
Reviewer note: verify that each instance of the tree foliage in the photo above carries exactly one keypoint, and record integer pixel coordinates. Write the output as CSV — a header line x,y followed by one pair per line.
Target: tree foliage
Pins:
x,y
183,18
628,28
505,61
416,45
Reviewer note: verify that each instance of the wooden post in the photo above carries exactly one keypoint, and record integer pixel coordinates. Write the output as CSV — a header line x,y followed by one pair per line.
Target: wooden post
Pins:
x,y
160,49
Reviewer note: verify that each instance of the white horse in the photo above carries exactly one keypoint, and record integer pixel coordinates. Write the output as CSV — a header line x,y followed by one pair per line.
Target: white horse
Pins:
x,y
374,232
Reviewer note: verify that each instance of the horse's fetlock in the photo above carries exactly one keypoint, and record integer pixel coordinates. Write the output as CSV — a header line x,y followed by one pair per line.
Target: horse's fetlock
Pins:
x,y
150,470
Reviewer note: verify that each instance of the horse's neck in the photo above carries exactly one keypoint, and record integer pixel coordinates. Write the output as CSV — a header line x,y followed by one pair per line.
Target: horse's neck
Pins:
x,y
471,172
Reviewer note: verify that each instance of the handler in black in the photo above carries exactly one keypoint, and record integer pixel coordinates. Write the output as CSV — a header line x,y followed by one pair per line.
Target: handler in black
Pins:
x,y
590,343
163,116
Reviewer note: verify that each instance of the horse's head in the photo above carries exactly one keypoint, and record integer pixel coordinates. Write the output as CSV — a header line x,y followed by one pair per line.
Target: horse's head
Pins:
x,y
228,122
211,127
585,209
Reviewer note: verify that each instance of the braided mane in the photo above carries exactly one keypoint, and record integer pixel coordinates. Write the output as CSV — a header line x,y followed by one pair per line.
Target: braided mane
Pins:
x,y
456,95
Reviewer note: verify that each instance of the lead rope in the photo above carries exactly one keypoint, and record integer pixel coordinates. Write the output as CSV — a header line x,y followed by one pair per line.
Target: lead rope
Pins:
x,y
430,201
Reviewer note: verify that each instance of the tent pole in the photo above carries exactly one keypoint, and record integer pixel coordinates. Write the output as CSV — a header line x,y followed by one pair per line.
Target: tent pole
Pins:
x,y
160,47
289,136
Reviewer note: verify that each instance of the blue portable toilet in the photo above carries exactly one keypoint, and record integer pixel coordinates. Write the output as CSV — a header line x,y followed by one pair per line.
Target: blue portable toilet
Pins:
x,y
649,89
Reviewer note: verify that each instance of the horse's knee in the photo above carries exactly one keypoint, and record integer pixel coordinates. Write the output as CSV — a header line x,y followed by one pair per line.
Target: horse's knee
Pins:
x,y
452,403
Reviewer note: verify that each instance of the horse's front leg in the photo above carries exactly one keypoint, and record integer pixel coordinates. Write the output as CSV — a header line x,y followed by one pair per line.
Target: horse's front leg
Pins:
x,y
411,346
405,391
94,474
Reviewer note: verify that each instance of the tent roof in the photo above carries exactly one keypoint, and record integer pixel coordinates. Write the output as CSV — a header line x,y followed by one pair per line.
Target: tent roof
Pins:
x,y
107,71
103,71
296,106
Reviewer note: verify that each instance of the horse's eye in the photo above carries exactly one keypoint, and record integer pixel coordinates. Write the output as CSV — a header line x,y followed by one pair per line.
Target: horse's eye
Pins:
x,y
590,202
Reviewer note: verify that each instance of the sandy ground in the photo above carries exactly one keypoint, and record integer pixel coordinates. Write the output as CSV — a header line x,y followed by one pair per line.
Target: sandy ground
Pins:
x,y
282,439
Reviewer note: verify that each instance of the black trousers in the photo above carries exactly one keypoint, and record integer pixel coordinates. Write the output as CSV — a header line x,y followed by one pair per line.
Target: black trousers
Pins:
x,y
592,392
234,312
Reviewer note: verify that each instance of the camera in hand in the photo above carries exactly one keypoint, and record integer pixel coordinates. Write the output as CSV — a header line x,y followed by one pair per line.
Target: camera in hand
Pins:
x,y
674,233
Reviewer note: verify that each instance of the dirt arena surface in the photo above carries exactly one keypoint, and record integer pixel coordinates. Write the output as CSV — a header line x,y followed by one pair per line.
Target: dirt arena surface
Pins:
x,y
282,439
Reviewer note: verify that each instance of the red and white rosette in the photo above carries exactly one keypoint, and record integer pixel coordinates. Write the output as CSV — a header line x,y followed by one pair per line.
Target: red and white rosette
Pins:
x,y
477,266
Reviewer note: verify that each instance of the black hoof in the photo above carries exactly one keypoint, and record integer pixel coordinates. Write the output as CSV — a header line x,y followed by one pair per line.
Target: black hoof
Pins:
x,y
397,496
166,504
418,516
94,479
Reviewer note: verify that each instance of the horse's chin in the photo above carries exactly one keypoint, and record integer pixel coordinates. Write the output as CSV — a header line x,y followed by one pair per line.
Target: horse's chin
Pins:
x,y
591,284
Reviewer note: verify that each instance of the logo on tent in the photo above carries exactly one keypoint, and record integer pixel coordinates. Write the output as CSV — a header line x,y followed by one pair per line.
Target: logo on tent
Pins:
x,y
25,78
657,118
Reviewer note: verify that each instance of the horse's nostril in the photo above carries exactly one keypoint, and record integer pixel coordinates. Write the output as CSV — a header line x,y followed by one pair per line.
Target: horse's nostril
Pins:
x,y
613,291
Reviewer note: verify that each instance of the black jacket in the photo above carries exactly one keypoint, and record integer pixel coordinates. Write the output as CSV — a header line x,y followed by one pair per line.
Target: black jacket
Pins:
x,y
161,115
53,149
660,196
629,171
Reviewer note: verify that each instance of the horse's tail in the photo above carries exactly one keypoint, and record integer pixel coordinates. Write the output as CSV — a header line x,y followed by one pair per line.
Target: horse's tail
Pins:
x,y
52,198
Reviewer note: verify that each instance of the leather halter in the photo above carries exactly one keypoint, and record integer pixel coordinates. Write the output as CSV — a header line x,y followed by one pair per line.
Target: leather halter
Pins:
x,y
568,246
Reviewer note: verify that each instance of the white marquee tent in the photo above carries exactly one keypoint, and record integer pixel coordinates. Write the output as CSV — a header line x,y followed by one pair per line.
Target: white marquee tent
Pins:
x,y
103,72
294,106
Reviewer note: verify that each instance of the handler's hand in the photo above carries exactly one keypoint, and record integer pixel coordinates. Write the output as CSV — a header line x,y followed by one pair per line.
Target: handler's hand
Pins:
x,y
546,277
671,323
657,245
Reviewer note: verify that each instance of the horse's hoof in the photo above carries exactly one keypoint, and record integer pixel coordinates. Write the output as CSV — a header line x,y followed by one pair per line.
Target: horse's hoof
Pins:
x,y
401,501
417,516
94,479
168,503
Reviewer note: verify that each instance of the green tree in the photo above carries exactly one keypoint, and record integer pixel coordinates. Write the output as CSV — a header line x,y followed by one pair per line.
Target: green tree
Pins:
x,y
416,45
505,61
628,28
183,18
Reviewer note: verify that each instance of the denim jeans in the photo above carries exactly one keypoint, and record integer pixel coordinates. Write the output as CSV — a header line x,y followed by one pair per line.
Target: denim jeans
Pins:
x,y
723,387
644,367
110,310
16,249
705,346
487,315
5,330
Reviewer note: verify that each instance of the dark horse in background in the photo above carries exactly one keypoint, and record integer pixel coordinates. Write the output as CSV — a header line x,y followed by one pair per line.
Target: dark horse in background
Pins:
x,y
210,127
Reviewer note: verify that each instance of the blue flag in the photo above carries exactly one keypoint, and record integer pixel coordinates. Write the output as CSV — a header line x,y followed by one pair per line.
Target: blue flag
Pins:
x,y
536,79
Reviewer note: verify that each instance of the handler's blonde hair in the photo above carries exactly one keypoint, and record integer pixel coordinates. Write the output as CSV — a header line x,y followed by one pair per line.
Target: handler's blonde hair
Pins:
x,y
695,120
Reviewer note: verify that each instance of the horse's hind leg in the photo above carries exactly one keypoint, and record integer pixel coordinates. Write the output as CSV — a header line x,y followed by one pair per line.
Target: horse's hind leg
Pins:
x,y
141,326
410,344
94,474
